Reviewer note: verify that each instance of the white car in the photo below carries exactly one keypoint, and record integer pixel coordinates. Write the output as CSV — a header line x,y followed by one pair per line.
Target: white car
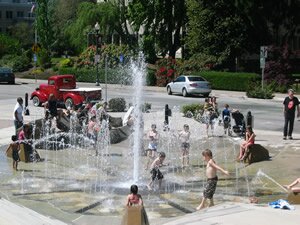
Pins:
x,y
189,85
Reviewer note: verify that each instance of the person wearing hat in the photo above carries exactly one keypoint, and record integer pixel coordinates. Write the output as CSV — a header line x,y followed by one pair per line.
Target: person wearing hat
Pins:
x,y
290,104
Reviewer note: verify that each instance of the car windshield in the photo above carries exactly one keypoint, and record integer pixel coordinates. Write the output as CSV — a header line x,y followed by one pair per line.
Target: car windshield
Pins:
x,y
196,79
5,70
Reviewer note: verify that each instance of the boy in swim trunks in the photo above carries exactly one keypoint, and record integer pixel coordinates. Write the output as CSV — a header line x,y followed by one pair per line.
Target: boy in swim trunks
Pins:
x,y
212,179
15,151
155,172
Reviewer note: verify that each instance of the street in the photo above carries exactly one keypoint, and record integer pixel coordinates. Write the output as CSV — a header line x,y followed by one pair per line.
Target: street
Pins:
x,y
267,113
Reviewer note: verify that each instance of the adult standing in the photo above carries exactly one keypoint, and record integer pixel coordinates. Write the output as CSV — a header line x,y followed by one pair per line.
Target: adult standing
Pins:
x,y
290,104
18,114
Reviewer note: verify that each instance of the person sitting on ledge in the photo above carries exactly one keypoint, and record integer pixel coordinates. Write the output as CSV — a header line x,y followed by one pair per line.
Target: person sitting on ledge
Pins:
x,y
250,138
291,186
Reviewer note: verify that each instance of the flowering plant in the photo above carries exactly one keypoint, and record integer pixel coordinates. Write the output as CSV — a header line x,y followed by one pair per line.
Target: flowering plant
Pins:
x,y
166,71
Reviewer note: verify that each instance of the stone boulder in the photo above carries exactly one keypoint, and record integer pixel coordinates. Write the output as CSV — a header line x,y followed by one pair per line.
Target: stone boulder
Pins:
x,y
294,198
256,153
119,134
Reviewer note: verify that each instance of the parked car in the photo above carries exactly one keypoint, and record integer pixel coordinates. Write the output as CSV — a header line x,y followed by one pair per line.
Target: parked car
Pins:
x,y
189,85
64,89
7,75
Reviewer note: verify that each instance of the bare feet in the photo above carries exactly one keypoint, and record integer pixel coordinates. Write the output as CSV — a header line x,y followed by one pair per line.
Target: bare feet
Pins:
x,y
200,207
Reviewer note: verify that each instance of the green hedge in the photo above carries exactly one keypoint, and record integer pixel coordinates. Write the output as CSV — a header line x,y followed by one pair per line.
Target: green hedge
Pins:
x,y
228,80
114,76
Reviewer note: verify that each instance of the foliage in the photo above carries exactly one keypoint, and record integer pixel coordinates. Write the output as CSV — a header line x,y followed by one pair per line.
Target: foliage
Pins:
x,y
16,62
105,13
24,33
146,107
162,20
150,78
117,104
87,58
8,45
166,71
191,110
44,59
198,62
44,24
228,80
278,68
67,62
213,30
255,91
149,48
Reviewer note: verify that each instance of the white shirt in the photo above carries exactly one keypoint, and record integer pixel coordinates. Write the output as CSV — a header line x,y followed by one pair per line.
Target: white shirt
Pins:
x,y
19,109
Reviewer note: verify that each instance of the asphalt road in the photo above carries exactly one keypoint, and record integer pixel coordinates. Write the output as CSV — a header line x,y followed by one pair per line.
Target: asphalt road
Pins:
x,y
267,113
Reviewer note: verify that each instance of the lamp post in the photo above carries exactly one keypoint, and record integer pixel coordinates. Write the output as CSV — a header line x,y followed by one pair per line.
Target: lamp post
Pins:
x,y
97,56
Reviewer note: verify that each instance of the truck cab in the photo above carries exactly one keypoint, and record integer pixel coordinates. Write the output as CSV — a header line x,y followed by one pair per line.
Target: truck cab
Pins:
x,y
64,89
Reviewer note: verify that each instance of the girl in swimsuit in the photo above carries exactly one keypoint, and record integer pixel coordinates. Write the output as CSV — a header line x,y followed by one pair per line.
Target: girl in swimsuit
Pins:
x,y
250,138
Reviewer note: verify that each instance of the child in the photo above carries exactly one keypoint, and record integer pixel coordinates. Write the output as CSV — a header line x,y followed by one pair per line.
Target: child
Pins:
x,y
155,172
134,198
134,211
91,128
291,186
153,137
184,137
15,151
212,179
250,138
226,118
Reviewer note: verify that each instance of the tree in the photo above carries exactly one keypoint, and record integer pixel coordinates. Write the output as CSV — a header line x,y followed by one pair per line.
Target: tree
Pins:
x,y
215,28
43,23
8,45
275,19
106,14
162,21
24,33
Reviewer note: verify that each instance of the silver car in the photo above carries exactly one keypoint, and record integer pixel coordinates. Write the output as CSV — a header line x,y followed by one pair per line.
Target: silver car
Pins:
x,y
189,85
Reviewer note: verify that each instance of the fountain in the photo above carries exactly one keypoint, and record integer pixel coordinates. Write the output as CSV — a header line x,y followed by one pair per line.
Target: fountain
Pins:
x,y
79,177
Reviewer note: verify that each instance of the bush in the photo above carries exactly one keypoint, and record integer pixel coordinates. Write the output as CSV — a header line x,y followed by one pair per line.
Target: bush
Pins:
x,y
16,62
191,110
166,71
65,63
150,78
228,80
255,91
117,104
44,59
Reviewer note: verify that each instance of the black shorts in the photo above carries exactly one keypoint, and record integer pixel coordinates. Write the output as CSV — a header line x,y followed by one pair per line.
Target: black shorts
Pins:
x,y
156,174
15,156
185,145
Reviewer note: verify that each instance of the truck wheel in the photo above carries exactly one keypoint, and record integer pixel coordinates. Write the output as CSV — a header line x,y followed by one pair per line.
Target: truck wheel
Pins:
x,y
36,101
69,103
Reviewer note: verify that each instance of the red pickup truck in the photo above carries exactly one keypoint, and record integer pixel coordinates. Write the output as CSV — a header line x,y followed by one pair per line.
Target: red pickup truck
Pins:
x,y
65,90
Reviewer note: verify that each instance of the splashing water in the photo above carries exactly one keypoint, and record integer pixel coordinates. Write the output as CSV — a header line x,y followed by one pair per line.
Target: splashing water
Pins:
x,y
137,70
261,173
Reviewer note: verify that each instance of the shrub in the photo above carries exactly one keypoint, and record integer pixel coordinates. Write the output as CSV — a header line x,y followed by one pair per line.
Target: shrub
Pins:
x,y
117,104
278,68
166,71
146,107
255,91
65,63
16,62
44,59
150,78
191,110
228,80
